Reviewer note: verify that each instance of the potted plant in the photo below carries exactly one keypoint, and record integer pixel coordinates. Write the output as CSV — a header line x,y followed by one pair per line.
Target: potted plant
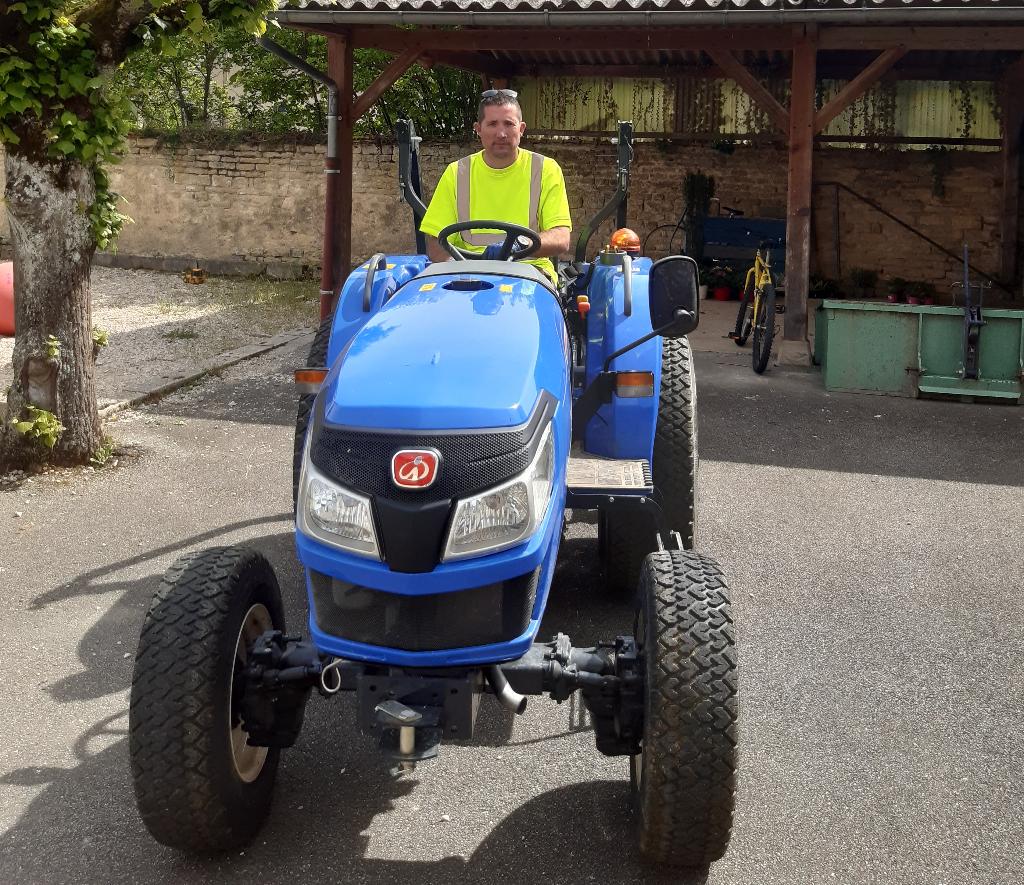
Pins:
x,y
921,293
896,290
702,276
863,282
720,282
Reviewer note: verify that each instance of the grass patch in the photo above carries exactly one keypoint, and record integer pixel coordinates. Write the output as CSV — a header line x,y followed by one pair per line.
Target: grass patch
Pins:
x,y
269,305
182,333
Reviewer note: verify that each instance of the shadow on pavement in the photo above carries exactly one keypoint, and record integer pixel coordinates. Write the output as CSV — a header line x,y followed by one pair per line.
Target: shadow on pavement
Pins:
x,y
788,419
333,784
107,648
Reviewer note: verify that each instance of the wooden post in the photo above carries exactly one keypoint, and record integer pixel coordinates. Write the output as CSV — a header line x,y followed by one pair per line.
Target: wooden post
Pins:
x,y
1012,100
339,69
798,214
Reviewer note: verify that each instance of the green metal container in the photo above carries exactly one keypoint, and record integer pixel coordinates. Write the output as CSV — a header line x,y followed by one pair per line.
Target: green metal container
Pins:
x,y
910,349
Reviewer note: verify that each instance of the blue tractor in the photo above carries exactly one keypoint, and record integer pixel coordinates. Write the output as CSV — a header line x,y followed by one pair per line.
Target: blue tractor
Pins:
x,y
465,408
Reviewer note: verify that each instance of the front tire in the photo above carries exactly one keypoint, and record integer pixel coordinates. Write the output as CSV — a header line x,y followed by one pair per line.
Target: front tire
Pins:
x,y
764,329
198,785
684,780
625,539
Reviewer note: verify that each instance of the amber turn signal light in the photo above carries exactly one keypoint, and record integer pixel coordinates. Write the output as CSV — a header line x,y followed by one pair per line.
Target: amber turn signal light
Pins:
x,y
634,384
309,380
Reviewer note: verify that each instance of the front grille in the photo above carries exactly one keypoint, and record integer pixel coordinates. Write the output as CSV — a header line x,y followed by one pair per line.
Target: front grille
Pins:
x,y
463,618
360,459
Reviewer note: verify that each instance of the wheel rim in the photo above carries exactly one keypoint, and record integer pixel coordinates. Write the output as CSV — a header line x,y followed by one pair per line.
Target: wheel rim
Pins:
x,y
248,760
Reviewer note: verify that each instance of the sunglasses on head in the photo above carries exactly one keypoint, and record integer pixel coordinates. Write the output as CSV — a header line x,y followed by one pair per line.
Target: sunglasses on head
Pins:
x,y
493,93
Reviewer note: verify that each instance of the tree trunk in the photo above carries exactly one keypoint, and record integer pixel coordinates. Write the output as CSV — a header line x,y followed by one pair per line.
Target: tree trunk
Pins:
x,y
48,208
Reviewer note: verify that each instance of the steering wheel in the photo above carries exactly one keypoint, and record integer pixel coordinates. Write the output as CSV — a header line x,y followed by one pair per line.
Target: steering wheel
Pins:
x,y
513,249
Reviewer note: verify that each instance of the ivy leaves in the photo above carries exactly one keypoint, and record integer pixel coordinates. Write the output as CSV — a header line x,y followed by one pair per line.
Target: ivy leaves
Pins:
x,y
55,104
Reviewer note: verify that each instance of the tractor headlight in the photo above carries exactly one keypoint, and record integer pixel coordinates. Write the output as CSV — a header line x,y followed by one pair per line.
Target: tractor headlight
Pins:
x,y
507,514
334,515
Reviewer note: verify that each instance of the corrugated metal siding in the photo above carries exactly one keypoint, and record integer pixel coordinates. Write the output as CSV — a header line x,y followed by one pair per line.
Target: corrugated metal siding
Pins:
x,y
595,104
908,108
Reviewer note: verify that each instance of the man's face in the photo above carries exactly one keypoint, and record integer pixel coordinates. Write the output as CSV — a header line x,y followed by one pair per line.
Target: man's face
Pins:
x,y
500,131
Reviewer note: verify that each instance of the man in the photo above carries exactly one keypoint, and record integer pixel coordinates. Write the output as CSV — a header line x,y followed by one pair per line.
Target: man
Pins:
x,y
501,183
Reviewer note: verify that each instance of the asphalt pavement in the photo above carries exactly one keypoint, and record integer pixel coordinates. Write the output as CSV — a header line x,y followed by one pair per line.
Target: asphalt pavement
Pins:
x,y
875,551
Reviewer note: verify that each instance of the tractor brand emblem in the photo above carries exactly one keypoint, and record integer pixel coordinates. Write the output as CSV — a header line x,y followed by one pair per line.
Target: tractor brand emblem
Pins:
x,y
414,468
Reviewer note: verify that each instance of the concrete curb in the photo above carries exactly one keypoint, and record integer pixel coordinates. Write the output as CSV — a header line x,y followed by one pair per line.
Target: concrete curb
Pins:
x,y
221,361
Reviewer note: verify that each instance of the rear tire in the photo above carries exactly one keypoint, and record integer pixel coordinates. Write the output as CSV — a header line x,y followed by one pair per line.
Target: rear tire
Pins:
x,y
742,329
684,780
198,785
626,537
317,357
764,330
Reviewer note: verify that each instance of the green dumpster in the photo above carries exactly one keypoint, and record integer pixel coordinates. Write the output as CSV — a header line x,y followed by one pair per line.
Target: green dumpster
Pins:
x,y
910,349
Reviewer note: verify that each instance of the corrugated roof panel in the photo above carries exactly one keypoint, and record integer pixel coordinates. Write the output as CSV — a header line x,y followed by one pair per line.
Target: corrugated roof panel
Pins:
x,y
598,5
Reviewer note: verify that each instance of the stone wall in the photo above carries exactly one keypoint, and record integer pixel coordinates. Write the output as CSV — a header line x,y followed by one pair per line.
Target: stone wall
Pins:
x,y
255,208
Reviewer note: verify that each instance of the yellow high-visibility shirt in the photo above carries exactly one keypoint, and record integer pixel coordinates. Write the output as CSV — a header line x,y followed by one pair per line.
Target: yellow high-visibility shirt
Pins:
x,y
501,195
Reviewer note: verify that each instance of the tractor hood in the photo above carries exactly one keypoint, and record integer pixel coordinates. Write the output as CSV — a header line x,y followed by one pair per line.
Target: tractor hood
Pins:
x,y
452,352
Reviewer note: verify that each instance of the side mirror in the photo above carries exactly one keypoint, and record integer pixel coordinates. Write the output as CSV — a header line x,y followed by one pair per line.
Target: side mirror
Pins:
x,y
675,303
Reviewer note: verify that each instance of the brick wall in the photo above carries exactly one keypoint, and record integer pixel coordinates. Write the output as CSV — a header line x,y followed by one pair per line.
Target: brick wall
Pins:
x,y
254,207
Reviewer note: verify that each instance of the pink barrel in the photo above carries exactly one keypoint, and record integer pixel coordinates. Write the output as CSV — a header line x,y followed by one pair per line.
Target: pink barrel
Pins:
x,y
6,297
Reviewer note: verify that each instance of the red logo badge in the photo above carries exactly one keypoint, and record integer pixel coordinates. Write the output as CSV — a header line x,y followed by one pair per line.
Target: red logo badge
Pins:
x,y
414,468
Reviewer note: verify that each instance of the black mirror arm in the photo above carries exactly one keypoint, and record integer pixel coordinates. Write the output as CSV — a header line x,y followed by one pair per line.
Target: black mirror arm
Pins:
x,y
679,315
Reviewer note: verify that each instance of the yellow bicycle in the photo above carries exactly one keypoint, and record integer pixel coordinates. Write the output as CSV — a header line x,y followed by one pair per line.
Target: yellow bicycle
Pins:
x,y
757,309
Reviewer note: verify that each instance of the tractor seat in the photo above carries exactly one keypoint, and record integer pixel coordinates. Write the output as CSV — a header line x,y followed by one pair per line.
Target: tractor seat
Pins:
x,y
518,269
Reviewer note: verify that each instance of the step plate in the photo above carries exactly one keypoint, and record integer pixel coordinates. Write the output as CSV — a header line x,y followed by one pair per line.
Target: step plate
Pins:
x,y
594,474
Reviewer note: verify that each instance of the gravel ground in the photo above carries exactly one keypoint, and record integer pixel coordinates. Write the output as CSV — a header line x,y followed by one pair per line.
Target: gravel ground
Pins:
x,y
160,325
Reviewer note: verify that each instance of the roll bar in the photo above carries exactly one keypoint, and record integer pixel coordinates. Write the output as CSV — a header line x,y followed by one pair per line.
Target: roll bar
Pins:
x,y
409,177
618,201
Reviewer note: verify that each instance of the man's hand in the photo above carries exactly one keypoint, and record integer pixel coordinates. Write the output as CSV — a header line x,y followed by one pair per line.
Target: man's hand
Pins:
x,y
435,251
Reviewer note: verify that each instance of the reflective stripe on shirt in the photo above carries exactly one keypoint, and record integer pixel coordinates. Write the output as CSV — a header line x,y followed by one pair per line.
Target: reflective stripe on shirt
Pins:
x,y
462,179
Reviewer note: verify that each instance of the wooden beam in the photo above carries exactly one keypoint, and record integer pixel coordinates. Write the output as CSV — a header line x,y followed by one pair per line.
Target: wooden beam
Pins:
x,y
476,62
731,67
339,69
964,38
857,87
801,185
1012,112
589,39
384,80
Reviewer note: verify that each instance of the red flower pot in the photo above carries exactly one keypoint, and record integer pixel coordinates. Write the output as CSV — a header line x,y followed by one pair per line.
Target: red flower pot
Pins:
x,y
721,293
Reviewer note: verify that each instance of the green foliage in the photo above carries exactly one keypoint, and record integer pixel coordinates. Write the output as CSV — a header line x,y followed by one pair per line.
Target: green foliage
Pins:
x,y
863,278
56,102
104,453
53,347
698,191
39,425
100,337
189,90
897,287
